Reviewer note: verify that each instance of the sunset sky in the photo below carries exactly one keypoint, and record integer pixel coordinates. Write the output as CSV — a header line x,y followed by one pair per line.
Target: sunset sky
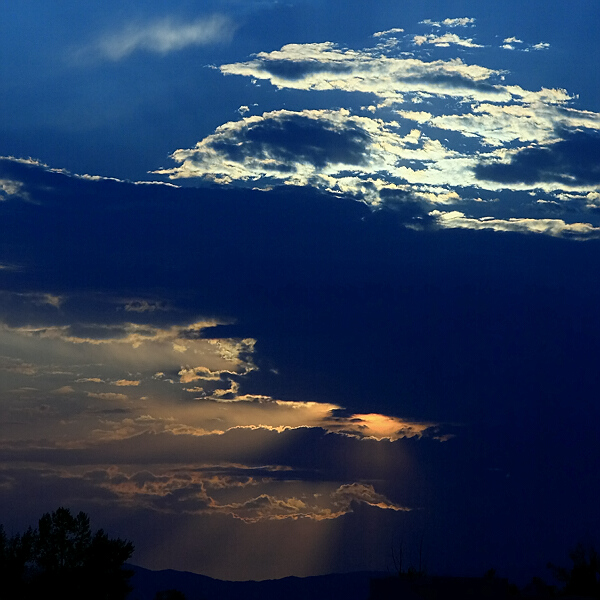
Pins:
x,y
286,286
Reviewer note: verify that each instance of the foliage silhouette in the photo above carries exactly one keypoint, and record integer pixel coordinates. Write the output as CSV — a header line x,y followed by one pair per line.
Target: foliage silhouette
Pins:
x,y
583,579
63,558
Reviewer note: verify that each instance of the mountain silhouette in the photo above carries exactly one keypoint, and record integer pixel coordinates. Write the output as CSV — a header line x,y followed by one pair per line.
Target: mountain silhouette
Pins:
x,y
350,586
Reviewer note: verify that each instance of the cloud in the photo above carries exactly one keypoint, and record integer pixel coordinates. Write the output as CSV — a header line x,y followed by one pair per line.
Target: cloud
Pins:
x,y
324,66
591,199
219,413
163,36
190,374
81,355
569,162
108,396
510,43
17,365
327,149
65,389
142,306
279,144
536,121
10,188
178,338
374,426
492,123
552,227
457,22
387,32
446,40
369,159
164,359
192,491
331,506
126,382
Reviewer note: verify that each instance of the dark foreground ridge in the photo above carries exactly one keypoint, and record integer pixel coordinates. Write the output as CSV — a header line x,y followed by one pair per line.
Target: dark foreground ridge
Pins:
x,y
349,586
580,581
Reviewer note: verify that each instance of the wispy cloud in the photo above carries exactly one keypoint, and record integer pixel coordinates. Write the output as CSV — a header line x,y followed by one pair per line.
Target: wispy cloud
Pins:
x,y
162,37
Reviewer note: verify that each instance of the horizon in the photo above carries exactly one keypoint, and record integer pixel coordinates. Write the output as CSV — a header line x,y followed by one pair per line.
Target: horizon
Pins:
x,y
285,287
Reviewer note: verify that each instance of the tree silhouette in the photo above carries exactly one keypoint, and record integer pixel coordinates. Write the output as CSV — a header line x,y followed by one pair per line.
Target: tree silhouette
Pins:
x,y
63,558
583,579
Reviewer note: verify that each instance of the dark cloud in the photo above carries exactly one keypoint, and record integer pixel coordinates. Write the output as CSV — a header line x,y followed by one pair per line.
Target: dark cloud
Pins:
x,y
294,138
573,160
297,69
292,268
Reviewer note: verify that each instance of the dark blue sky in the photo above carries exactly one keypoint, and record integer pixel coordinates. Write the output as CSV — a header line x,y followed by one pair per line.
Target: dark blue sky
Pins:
x,y
285,286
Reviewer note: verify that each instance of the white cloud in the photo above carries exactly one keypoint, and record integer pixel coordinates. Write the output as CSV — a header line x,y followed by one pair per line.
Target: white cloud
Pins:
x,y
377,158
510,43
446,40
324,66
420,116
388,32
458,22
164,36
412,157
538,120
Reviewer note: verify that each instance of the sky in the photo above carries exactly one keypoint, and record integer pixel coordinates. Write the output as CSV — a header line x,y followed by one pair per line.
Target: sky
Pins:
x,y
290,288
